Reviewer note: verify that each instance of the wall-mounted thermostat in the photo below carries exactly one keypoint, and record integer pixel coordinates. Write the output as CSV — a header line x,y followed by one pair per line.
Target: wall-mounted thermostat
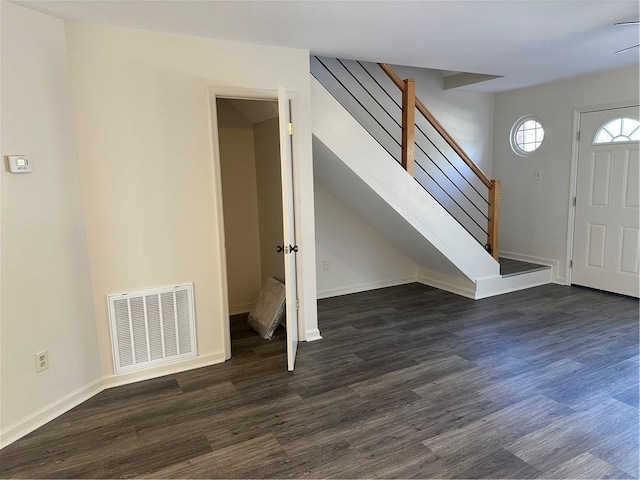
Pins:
x,y
19,164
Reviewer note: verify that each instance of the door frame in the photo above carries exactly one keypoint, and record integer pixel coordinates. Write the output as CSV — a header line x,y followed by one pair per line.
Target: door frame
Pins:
x,y
233,93
573,185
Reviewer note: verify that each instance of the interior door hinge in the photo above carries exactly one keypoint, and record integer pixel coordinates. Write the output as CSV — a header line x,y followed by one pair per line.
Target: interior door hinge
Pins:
x,y
578,135
290,126
574,201
570,263
297,304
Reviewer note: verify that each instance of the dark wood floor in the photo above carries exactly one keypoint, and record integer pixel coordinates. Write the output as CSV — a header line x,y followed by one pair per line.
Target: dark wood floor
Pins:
x,y
409,382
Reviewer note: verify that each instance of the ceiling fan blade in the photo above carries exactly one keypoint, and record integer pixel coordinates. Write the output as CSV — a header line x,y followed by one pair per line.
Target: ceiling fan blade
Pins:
x,y
628,48
634,22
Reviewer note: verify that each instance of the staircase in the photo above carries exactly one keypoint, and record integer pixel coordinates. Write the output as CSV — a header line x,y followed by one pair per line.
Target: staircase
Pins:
x,y
423,197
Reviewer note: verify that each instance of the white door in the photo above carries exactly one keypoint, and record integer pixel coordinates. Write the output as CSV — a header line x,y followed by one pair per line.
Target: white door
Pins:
x,y
288,222
605,247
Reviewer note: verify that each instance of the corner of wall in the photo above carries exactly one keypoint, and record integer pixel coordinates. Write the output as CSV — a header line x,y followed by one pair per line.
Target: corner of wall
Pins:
x,y
37,419
46,278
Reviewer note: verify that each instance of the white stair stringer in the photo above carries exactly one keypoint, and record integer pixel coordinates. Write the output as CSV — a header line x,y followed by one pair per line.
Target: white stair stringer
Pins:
x,y
351,164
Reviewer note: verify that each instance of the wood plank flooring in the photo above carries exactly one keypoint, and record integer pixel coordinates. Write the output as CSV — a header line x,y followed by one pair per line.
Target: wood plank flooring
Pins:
x,y
409,382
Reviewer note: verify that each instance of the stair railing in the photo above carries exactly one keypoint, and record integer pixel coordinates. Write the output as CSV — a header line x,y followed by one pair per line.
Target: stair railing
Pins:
x,y
409,104
385,106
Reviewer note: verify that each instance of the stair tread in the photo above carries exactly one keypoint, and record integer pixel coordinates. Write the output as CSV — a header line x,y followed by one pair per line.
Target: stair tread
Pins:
x,y
509,267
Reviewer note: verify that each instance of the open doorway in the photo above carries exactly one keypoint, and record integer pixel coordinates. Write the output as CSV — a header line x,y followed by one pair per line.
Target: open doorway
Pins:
x,y
250,168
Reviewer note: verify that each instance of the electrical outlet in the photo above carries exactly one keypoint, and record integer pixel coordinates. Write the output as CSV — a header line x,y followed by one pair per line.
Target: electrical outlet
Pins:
x,y
42,361
326,266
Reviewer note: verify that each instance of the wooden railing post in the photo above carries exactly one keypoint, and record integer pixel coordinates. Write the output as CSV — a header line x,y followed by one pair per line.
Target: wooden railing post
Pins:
x,y
494,219
409,125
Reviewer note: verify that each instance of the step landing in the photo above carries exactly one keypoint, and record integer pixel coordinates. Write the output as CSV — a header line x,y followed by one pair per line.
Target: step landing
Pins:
x,y
510,267
514,275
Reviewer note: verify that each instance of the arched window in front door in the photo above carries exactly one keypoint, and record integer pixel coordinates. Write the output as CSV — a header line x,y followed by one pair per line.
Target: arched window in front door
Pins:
x,y
617,131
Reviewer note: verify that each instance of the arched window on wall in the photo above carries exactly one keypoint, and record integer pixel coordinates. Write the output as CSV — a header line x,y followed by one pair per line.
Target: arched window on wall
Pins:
x,y
618,130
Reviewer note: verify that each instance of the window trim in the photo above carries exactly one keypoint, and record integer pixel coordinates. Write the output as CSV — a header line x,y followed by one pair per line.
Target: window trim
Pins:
x,y
514,129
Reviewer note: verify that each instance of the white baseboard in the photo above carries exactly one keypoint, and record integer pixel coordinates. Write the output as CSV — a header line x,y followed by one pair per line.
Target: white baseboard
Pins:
x,y
237,309
312,335
554,264
501,285
459,286
37,419
116,380
30,423
364,287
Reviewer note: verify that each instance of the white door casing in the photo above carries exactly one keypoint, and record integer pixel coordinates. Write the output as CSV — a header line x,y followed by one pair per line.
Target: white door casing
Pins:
x,y
606,229
288,222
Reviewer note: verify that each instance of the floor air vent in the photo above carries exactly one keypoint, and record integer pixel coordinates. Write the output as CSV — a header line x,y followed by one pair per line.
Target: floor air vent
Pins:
x,y
152,326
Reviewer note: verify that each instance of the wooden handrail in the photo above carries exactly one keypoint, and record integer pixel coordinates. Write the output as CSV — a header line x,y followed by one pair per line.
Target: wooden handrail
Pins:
x,y
408,144
438,126
391,73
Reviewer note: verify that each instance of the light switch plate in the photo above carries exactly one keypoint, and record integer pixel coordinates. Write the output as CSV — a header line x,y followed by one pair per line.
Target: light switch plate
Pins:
x,y
19,164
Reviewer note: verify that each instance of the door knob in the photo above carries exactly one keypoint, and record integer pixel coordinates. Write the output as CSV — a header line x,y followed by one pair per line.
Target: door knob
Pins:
x,y
293,248
280,249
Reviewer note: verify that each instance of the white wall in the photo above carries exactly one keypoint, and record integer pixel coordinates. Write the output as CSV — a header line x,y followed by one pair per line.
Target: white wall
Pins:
x,y
45,277
268,173
535,213
145,150
240,200
358,257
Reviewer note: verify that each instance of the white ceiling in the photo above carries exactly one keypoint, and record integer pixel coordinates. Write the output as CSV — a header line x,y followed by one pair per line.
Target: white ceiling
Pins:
x,y
526,41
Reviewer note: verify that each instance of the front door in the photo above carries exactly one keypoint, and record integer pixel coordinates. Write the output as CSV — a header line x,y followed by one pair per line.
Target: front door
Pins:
x,y
288,225
606,248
